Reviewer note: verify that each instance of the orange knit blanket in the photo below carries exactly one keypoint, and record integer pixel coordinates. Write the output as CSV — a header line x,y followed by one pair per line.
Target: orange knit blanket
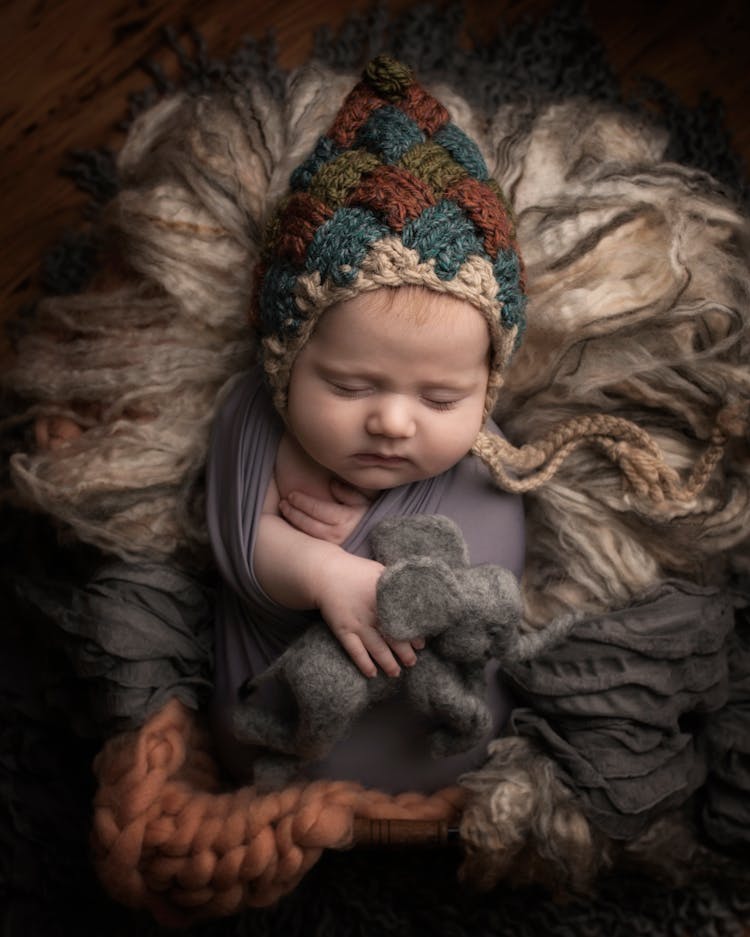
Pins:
x,y
169,836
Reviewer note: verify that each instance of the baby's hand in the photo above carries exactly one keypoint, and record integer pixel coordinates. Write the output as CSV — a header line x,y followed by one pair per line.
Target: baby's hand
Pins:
x,y
346,599
333,521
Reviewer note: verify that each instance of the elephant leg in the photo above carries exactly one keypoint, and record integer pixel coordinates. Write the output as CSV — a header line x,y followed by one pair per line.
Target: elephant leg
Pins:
x,y
462,715
255,724
273,771
330,702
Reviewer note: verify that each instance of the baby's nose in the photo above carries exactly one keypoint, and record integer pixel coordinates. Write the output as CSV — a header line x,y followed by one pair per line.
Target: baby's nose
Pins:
x,y
391,416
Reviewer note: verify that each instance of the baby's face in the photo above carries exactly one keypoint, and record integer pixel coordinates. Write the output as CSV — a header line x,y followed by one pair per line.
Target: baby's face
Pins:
x,y
382,395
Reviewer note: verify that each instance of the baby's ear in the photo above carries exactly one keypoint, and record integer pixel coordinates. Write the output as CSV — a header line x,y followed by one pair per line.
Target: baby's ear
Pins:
x,y
433,535
417,598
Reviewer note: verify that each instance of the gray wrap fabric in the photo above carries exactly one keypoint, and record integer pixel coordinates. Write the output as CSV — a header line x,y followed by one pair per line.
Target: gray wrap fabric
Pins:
x,y
633,708
726,810
139,634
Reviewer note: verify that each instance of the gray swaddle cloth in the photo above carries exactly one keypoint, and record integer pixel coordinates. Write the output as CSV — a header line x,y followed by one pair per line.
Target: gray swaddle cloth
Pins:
x,y
387,748
631,704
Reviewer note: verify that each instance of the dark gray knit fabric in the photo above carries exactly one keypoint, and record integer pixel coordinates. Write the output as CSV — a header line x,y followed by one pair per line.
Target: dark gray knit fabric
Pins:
x,y
726,812
631,706
139,634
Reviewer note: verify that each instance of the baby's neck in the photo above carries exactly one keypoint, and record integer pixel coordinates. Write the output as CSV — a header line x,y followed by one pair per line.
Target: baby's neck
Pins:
x,y
295,470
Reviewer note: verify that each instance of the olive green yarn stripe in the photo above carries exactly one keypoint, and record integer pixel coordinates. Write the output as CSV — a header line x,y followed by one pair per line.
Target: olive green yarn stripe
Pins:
x,y
335,181
272,230
434,165
390,78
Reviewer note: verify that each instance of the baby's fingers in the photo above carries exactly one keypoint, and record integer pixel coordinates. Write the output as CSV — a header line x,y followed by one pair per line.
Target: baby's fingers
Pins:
x,y
404,650
321,524
308,525
354,647
327,512
368,648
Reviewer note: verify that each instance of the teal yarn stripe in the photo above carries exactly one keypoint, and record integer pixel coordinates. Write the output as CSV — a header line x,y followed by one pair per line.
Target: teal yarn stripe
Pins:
x,y
463,150
340,244
278,311
388,133
325,151
507,269
443,233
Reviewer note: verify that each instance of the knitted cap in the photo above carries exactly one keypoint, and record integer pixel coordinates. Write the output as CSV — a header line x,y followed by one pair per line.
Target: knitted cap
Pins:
x,y
393,194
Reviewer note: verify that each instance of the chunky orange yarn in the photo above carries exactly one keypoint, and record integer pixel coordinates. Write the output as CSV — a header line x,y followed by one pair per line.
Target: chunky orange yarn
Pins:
x,y
170,837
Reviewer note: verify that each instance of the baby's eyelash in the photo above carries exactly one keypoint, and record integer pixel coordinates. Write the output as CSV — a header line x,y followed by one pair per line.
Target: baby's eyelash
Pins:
x,y
354,392
349,391
442,404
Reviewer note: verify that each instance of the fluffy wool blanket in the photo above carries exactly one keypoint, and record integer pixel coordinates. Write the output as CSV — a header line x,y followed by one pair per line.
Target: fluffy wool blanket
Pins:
x,y
639,302
638,288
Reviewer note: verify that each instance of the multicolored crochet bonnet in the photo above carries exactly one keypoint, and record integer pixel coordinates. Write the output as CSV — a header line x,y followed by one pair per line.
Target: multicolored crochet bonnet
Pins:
x,y
393,194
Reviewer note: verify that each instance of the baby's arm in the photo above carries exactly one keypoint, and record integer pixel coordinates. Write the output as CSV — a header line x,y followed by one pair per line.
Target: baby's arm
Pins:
x,y
301,572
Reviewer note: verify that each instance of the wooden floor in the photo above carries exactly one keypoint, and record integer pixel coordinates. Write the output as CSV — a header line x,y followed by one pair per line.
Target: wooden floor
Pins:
x,y
70,64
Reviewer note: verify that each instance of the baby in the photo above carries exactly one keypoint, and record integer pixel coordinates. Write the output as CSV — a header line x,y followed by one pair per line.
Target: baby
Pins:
x,y
388,302
389,390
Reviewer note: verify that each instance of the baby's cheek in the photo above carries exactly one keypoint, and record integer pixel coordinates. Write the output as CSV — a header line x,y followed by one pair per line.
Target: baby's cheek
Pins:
x,y
452,444
339,432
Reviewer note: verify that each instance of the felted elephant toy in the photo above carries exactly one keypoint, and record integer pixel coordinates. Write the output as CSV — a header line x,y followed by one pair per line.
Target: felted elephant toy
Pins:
x,y
428,589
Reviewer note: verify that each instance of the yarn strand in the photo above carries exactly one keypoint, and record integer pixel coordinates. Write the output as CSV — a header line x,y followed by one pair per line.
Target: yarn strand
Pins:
x,y
626,445
167,837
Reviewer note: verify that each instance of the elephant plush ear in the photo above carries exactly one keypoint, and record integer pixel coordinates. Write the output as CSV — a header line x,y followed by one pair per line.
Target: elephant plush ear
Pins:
x,y
493,594
433,535
417,598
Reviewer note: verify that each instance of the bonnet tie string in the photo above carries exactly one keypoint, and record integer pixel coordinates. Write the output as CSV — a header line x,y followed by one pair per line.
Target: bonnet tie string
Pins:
x,y
626,445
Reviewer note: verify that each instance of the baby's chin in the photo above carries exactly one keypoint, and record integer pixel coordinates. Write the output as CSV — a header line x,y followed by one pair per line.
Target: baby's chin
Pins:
x,y
374,481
